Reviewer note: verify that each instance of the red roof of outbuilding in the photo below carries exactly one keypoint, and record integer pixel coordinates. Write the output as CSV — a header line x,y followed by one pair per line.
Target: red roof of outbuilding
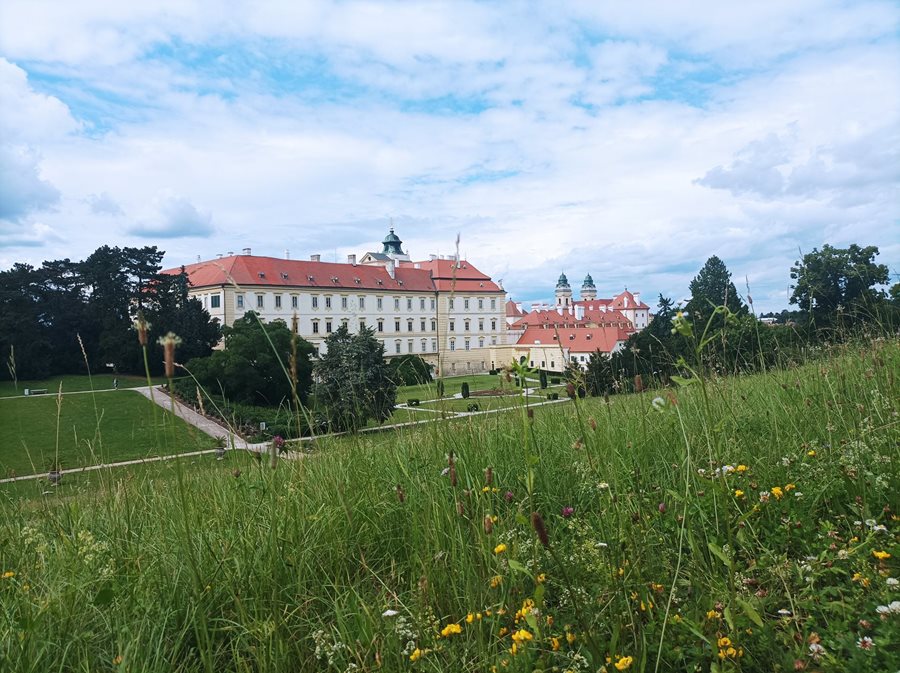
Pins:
x,y
513,310
577,340
286,273
627,300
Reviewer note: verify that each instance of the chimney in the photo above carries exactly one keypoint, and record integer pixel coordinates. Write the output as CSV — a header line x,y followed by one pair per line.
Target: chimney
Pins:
x,y
315,258
559,309
230,253
432,257
287,254
390,268
245,251
579,312
351,259
637,297
198,259
218,255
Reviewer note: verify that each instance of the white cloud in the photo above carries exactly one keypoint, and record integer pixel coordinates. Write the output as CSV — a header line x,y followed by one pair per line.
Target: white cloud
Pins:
x,y
104,204
173,217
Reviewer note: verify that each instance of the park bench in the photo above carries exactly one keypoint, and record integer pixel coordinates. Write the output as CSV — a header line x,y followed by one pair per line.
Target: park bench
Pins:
x,y
35,391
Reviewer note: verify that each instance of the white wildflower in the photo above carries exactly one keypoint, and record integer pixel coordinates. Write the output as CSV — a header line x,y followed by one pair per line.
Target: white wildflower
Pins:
x,y
389,613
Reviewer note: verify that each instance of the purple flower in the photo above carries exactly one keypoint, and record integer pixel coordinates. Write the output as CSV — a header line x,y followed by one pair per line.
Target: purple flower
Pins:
x,y
567,512
509,496
662,508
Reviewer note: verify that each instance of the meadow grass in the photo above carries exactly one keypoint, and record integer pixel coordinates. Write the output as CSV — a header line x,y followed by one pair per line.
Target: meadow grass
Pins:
x,y
734,524
92,429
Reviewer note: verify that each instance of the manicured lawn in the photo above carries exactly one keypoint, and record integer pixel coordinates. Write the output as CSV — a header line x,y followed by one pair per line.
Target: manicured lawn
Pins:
x,y
452,385
73,384
103,427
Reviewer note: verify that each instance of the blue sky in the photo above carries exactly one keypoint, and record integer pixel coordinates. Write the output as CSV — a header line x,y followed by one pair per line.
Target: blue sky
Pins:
x,y
628,140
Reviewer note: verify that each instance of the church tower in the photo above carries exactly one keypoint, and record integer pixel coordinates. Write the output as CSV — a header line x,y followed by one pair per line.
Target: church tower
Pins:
x,y
392,247
563,291
588,289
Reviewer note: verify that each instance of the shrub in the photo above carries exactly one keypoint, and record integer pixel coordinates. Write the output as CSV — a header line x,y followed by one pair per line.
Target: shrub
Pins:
x,y
473,407
552,396
465,390
555,380
412,402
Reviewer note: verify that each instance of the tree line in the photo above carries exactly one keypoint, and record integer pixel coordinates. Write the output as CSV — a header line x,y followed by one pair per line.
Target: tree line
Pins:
x,y
837,292
71,317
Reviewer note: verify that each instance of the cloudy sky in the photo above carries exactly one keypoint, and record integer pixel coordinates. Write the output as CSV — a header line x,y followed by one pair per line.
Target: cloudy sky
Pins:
x,y
630,140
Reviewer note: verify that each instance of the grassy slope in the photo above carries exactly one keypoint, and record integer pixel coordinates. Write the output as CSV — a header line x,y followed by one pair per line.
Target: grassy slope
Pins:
x,y
130,426
202,571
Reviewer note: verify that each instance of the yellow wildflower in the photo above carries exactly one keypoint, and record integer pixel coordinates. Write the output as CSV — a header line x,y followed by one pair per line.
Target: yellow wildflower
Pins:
x,y
864,581
416,654
117,660
656,587
738,493
741,468
470,618
503,631
541,578
676,619
522,636
777,492
486,489
500,548
623,663
789,487
811,453
451,629
621,571
712,614
570,637
496,581
8,574
724,641
880,555
554,643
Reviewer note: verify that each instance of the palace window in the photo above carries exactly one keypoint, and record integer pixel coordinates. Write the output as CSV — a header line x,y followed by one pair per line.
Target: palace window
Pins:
x,y
295,301
466,324
409,303
362,325
344,302
450,303
480,304
328,327
422,325
327,302
409,325
452,326
397,346
480,325
277,301
465,304
260,301
467,344
240,301
362,303
493,325
422,303
214,301
453,344
396,325
315,326
493,304
379,303
380,325
315,301
396,303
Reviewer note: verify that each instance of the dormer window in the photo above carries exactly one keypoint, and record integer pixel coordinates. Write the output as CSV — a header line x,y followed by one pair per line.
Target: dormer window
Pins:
x,y
262,274
379,281
357,281
310,278
284,276
334,279
400,282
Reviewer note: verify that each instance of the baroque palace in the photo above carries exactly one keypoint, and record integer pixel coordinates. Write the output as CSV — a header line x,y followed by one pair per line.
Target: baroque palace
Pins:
x,y
442,309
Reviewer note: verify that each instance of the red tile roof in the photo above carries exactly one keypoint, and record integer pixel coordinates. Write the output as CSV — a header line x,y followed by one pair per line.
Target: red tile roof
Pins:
x,y
273,271
449,276
597,317
627,300
577,340
513,310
